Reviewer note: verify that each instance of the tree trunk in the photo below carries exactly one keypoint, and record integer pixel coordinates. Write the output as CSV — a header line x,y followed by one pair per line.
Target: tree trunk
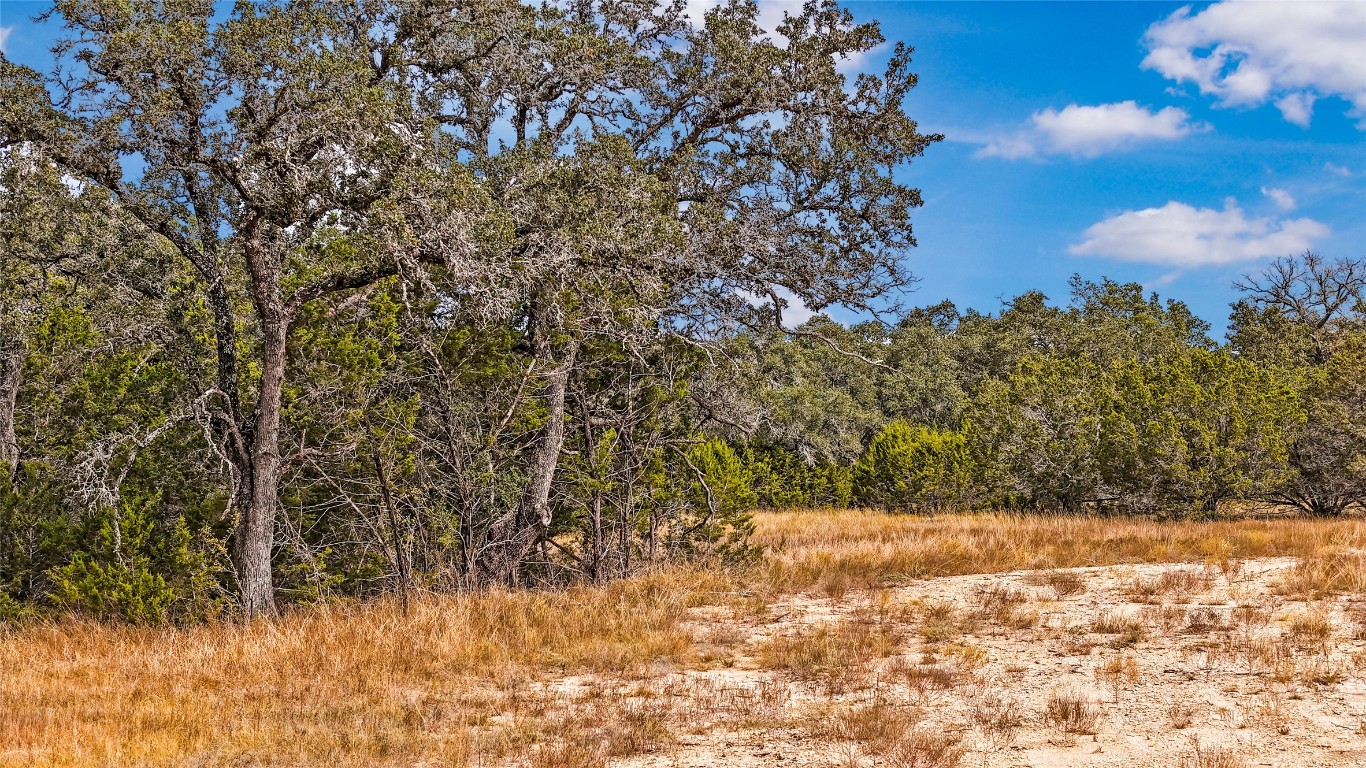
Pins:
x,y
511,538
255,535
11,363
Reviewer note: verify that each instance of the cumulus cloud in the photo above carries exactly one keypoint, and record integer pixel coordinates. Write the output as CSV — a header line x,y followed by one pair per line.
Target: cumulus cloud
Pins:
x,y
1089,131
1283,200
4,38
1183,236
1249,53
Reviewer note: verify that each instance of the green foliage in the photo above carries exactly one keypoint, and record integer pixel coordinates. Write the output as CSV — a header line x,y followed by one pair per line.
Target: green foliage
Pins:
x,y
140,570
36,534
1179,432
1193,429
781,480
1328,456
1037,433
723,500
914,467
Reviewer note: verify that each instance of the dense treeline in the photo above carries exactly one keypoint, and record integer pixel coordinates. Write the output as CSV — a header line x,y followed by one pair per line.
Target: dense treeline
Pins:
x,y
1116,402
314,299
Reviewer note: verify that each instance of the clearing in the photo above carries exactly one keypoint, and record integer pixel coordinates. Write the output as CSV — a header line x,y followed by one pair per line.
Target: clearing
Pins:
x,y
858,639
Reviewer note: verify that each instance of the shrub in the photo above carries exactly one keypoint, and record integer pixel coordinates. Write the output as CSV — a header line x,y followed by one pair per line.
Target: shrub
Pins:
x,y
908,467
140,570
724,501
781,479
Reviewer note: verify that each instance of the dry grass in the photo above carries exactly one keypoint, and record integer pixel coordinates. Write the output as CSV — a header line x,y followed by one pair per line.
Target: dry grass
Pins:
x,y
817,549
1117,671
1181,714
1063,583
461,680
1128,628
1072,712
1004,605
357,685
1213,757
1311,628
835,653
998,715
925,749
1330,570
927,680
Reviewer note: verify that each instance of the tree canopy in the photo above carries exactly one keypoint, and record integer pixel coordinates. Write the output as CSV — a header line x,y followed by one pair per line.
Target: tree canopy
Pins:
x,y
408,258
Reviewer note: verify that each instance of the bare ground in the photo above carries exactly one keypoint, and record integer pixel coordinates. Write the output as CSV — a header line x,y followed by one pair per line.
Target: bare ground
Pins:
x,y
1134,666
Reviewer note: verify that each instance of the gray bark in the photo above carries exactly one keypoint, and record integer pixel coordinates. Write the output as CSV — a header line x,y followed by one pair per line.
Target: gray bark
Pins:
x,y
255,535
513,537
11,363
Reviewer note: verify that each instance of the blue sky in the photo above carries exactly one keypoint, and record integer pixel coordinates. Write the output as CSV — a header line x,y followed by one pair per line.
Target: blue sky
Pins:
x,y
1202,178
1139,141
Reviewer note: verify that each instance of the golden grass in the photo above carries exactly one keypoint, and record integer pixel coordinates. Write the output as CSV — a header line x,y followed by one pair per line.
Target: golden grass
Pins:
x,y
824,550
355,685
1337,569
457,680
832,652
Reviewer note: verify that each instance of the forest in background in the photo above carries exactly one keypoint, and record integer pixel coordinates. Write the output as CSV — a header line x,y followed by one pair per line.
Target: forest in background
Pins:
x,y
316,299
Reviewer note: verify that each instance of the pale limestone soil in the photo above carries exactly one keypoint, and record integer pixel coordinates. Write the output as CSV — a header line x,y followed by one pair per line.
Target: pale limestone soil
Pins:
x,y
733,713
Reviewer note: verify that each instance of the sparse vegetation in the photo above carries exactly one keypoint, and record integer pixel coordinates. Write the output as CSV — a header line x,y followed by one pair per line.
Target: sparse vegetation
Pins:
x,y
470,677
1072,712
1218,756
1063,583
833,652
1181,714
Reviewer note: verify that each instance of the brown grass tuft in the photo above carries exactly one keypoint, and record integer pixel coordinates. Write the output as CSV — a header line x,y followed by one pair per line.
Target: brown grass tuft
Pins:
x,y
1213,757
1071,712
833,652
1326,571
1063,583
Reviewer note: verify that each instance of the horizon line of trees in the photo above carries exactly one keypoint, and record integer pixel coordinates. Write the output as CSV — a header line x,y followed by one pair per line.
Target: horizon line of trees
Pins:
x,y
1116,402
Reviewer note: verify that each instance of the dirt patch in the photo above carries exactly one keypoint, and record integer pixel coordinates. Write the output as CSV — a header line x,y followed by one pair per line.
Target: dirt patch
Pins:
x,y
1136,665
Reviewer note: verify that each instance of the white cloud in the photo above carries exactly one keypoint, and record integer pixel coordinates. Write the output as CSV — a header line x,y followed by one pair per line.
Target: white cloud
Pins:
x,y
696,9
4,38
1249,53
1183,236
1297,108
1089,131
857,61
796,312
1164,280
1283,200
1337,170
